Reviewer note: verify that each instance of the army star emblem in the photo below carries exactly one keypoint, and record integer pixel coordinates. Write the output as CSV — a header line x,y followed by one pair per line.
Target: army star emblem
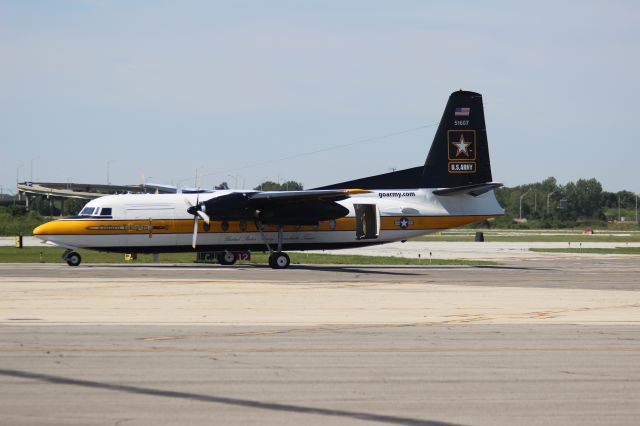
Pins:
x,y
403,223
462,147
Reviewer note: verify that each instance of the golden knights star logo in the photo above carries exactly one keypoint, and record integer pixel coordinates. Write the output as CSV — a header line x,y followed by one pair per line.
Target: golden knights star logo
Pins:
x,y
462,145
462,151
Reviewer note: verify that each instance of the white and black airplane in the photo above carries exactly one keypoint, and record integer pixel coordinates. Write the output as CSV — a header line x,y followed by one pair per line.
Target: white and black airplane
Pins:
x,y
453,188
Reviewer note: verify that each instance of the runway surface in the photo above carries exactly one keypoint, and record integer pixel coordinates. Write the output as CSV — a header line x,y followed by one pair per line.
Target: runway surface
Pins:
x,y
488,250
540,341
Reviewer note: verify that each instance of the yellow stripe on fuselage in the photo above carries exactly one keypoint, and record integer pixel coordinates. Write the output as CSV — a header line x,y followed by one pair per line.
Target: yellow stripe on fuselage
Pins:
x,y
185,226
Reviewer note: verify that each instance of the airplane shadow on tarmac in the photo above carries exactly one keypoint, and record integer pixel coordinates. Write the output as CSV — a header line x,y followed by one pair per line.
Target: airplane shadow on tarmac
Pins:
x,y
402,270
247,403
368,269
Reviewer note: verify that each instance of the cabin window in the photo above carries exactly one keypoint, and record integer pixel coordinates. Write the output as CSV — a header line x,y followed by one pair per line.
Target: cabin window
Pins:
x,y
87,211
106,211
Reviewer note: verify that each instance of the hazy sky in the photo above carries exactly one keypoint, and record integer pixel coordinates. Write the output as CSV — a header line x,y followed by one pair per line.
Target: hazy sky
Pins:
x,y
165,88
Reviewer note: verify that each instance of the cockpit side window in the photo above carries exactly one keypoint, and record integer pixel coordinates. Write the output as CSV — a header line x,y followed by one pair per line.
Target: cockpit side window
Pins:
x,y
87,211
106,211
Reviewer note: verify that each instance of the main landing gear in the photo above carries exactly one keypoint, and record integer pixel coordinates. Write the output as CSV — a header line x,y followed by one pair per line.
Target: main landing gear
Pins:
x,y
277,259
71,257
226,258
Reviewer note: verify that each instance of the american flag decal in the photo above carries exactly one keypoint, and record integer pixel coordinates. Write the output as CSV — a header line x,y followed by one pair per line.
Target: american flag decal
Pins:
x,y
462,112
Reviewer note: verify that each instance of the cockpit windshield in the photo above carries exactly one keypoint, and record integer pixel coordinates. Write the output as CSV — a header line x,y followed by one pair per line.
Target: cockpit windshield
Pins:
x,y
95,211
87,211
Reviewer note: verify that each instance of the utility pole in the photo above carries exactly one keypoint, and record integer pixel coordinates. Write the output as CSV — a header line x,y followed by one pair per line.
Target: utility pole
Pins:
x,y
549,195
235,178
619,216
636,208
108,164
521,197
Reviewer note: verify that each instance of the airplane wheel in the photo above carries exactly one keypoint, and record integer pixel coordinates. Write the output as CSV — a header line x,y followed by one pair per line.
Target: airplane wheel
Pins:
x,y
226,258
279,260
73,259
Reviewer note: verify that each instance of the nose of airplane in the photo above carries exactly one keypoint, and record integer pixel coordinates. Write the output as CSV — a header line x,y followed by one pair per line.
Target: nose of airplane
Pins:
x,y
44,229
59,227
39,230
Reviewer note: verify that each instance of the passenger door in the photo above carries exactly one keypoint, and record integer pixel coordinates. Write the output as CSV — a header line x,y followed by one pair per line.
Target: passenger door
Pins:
x,y
367,221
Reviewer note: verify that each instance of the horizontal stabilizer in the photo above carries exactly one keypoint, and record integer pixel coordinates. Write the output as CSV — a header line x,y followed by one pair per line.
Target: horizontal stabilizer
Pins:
x,y
475,190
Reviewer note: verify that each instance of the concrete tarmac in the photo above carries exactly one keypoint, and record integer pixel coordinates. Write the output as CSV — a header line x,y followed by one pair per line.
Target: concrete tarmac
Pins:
x,y
542,341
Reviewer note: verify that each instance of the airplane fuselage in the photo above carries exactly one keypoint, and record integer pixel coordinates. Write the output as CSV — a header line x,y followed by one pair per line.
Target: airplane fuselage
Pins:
x,y
156,223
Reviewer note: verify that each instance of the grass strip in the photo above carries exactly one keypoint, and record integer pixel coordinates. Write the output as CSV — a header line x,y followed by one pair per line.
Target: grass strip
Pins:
x,y
528,238
615,250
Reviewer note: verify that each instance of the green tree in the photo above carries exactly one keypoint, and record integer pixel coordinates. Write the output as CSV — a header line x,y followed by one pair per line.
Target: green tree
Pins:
x,y
584,199
290,185
610,199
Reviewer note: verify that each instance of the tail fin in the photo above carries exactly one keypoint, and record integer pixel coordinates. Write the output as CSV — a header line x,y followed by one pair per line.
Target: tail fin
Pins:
x,y
459,154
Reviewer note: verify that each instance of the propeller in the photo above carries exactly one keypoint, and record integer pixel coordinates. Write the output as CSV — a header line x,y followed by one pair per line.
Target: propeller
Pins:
x,y
198,211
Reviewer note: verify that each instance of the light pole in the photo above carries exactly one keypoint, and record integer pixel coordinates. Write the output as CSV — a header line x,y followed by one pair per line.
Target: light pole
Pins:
x,y
108,164
235,178
145,180
18,172
636,208
521,197
31,168
619,216
549,195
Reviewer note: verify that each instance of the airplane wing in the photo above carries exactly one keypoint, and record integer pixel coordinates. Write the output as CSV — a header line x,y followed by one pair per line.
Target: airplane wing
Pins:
x,y
278,207
275,197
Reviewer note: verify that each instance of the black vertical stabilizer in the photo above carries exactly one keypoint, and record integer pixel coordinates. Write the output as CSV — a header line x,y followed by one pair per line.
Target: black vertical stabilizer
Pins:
x,y
459,154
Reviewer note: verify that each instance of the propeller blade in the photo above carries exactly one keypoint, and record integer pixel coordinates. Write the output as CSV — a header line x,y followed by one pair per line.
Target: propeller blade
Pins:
x,y
195,232
204,216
